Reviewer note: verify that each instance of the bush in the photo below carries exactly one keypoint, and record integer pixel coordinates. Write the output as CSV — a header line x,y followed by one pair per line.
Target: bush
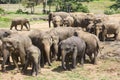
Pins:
x,y
2,11
19,11
73,7
111,11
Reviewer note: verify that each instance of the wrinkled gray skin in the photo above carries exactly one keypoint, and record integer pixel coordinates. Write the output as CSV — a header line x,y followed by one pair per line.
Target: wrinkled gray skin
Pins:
x,y
92,44
72,47
53,14
68,21
82,20
57,21
17,44
61,33
44,42
22,22
33,55
3,52
107,28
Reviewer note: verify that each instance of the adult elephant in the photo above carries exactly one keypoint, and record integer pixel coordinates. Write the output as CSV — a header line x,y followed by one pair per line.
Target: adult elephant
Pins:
x,y
43,41
20,21
17,45
92,44
108,27
61,33
57,21
72,47
53,14
68,21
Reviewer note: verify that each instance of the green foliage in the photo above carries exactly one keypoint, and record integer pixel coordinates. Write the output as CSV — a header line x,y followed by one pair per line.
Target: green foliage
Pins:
x,y
71,6
20,11
2,11
114,9
111,11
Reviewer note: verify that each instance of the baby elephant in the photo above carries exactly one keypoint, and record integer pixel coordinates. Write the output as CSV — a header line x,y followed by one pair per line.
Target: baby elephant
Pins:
x,y
33,57
73,47
20,21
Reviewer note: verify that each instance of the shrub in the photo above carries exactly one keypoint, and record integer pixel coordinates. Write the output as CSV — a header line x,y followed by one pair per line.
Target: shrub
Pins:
x,y
72,6
19,11
111,11
2,11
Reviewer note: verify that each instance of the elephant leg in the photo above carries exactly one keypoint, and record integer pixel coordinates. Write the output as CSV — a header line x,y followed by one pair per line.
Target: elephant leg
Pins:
x,y
33,70
14,60
74,58
5,58
63,60
11,27
90,56
27,62
21,27
26,26
47,51
22,55
95,57
16,27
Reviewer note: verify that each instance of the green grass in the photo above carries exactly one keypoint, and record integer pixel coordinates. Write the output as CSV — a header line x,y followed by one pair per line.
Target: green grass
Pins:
x,y
98,6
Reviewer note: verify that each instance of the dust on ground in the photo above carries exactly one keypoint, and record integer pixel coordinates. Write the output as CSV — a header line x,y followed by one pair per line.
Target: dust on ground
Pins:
x,y
107,68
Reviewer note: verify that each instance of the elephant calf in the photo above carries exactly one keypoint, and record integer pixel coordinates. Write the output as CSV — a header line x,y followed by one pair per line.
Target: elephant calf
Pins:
x,y
74,46
22,22
33,56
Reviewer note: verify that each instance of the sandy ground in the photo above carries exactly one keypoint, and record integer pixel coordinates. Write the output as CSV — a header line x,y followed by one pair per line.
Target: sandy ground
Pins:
x,y
104,68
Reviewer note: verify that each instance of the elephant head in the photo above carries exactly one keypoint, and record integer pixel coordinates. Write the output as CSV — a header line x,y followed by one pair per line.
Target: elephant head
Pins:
x,y
57,21
68,21
100,31
67,49
11,44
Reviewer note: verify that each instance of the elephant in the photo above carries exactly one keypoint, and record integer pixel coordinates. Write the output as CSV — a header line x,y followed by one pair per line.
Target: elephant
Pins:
x,y
33,56
57,21
61,33
108,27
43,41
53,14
20,21
72,47
4,33
92,44
17,44
68,21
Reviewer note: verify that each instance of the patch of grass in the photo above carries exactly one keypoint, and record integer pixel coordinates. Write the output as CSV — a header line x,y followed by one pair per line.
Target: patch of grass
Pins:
x,y
35,78
98,6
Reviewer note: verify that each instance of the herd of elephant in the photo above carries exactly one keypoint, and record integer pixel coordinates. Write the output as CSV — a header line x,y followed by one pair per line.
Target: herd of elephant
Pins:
x,y
66,44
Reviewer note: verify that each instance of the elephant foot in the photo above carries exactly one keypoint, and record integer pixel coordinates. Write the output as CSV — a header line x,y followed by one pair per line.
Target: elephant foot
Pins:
x,y
64,68
49,64
34,74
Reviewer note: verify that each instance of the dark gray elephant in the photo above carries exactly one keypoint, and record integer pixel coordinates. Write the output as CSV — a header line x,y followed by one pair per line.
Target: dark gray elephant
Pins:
x,y
92,44
72,47
33,55
57,21
20,21
53,14
17,44
61,33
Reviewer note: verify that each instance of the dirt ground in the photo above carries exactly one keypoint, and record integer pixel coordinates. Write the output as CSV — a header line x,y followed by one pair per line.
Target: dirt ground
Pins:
x,y
107,68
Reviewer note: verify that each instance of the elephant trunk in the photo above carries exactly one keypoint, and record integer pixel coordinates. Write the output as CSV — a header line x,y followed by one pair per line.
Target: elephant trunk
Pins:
x,y
47,52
